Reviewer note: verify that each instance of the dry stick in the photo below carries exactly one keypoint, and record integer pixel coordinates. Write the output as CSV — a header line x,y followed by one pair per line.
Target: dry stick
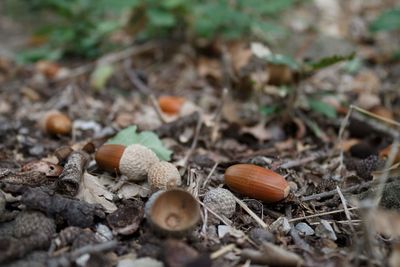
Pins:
x,y
210,174
334,192
320,214
251,213
222,251
144,89
66,260
224,220
218,115
300,162
108,59
194,144
70,178
346,210
340,138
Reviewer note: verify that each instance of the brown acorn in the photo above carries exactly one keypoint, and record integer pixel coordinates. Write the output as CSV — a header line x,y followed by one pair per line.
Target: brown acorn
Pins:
x,y
55,123
171,104
256,182
134,161
172,212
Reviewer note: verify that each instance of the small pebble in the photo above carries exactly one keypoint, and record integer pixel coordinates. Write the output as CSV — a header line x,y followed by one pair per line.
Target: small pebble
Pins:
x,y
304,229
325,230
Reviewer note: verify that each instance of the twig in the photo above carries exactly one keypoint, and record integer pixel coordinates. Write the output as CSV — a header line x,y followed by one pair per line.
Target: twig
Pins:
x,y
346,210
299,162
222,251
383,177
144,89
210,174
320,214
66,259
108,59
224,220
217,118
340,138
334,192
251,213
185,161
175,127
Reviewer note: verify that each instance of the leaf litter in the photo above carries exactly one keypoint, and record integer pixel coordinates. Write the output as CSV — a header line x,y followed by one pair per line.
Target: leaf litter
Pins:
x,y
281,112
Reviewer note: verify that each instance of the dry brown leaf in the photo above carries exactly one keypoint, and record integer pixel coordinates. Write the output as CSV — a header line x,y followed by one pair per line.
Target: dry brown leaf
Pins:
x,y
92,191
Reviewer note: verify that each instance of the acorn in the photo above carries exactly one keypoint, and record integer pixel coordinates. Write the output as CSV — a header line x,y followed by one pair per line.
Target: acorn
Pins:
x,y
171,104
133,161
173,212
220,201
256,182
56,123
164,175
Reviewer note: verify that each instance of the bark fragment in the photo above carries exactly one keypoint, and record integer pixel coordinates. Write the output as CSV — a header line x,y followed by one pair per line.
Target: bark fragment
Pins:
x,y
74,212
70,178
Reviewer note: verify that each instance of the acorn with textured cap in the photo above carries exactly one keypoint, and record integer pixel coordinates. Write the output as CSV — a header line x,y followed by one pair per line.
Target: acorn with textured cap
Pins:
x,y
133,161
164,175
173,212
221,202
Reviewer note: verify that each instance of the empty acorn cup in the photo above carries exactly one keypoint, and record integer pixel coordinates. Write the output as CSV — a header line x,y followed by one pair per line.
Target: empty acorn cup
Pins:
x,y
172,212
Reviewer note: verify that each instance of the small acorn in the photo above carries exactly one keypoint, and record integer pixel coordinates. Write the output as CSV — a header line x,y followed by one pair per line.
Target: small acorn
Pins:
x,y
171,104
220,201
56,123
256,182
163,175
172,212
133,161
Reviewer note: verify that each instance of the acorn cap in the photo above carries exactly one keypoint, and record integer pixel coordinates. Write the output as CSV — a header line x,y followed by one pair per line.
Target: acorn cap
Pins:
x,y
136,161
54,122
164,175
220,201
172,212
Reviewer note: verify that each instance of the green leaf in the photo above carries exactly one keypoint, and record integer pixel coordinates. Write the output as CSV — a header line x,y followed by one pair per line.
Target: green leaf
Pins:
x,y
129,136
100,76
161,18
35,54
327,61
269,110
279,59
353,66
387,21
322,107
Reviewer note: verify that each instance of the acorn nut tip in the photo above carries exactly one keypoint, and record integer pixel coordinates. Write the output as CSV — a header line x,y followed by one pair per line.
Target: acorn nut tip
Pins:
x,y
164,175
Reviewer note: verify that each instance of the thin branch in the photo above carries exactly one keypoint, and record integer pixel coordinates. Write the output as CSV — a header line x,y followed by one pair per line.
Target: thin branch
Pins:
x,y
320,214
346,210
251,213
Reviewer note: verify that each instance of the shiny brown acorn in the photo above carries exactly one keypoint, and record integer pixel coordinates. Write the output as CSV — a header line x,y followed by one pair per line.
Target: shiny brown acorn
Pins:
x,y
256,182
171,104
56,123
134,161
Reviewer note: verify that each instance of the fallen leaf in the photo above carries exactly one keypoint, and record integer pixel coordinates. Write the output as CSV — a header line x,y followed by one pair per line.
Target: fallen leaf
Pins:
x,y
92,191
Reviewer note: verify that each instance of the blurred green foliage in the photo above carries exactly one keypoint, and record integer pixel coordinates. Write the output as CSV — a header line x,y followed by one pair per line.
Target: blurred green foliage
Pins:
x,y
387,21
81,27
